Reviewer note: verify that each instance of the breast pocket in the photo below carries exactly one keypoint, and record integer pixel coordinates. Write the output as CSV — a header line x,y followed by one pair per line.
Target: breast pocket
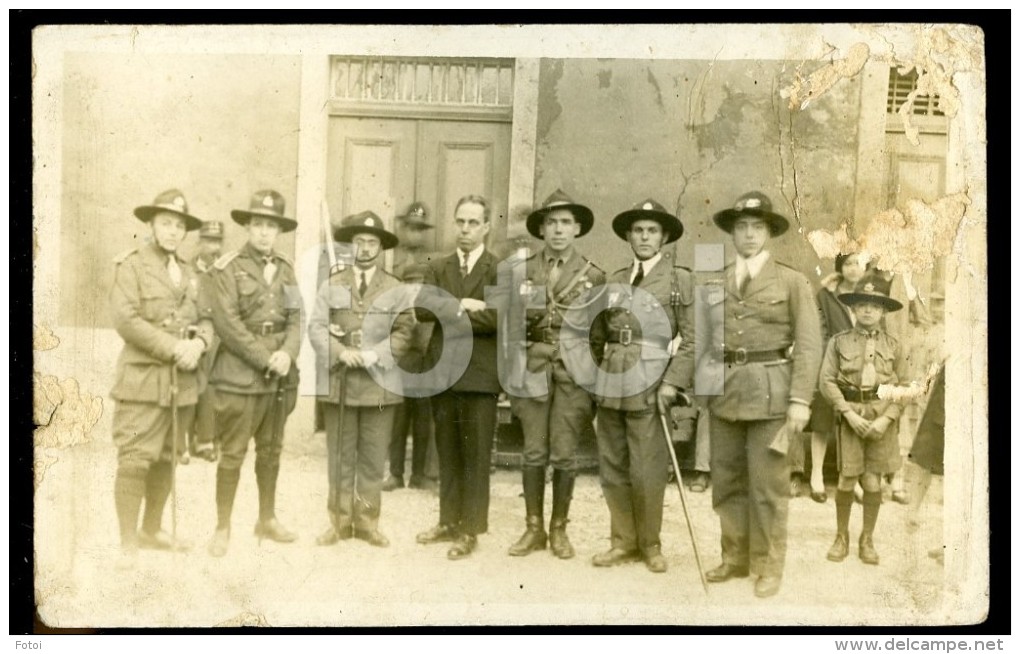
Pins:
x,y
773,307
885,363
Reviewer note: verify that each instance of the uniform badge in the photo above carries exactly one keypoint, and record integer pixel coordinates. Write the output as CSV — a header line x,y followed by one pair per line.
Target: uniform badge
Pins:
x,y
267,201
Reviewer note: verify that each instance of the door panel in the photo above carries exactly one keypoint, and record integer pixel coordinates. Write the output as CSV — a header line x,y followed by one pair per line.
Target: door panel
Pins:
x,y
463,158
918,172
371,166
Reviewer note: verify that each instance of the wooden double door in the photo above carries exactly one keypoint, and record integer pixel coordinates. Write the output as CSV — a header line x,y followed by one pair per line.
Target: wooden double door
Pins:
x,y
384,164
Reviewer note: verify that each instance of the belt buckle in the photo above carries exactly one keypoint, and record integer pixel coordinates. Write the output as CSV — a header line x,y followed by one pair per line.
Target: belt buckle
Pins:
x,y
740,356
356,338
626,336
267,328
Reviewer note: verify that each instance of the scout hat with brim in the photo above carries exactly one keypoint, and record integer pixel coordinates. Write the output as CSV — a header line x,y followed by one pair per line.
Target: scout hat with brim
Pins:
x,y
417,216
872,289
752,205
365,222
171,201
649,210
265,204
211,229
560,200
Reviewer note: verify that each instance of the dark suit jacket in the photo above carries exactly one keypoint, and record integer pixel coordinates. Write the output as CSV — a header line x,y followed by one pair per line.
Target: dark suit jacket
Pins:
x,y
481,374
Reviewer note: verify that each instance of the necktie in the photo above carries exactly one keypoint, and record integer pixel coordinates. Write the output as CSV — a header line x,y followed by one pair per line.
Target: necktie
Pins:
x,y
362,285
174,269
464,264
553,272
868,375
269,271
743,284
639,276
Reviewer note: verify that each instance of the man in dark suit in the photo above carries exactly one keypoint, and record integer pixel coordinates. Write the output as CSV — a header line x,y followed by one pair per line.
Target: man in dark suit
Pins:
x,y
465,411
766,332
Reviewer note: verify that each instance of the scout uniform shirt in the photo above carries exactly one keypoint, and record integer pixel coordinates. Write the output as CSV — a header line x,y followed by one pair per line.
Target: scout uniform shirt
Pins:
x,y
253,319
756,332
856,362
644,330
151,313
572,284
364,325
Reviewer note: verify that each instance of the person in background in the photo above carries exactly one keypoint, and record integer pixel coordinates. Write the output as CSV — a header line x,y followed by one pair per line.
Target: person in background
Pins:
x,y
210,244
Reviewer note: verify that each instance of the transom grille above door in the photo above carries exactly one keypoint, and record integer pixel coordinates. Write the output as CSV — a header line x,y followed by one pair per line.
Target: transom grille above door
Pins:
x,y
479,88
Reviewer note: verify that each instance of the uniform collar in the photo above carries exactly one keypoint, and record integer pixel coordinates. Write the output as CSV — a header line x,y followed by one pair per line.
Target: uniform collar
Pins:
x,y
563,256
647,264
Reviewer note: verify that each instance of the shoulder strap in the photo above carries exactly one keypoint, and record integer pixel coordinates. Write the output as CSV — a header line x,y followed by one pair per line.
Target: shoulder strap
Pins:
x,y
223,261
122,257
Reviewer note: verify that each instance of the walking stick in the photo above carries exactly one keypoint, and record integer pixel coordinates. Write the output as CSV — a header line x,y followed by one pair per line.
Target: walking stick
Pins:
x,y
683,499
173,456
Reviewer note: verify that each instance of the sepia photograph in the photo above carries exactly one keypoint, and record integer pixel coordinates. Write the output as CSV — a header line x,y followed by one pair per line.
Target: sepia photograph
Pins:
x,y
509,325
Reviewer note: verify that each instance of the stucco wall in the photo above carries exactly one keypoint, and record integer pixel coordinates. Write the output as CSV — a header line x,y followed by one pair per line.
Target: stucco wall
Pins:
x,y
215,126
694,135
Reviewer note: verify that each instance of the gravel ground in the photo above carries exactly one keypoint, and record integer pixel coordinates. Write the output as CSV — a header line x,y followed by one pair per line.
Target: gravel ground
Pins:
x,y
352,583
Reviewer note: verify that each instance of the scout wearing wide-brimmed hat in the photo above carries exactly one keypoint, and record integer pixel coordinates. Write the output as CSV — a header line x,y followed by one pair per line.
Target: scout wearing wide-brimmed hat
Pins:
x,y
203,436
552,406
171,201
414,414
154,287
359,411
650,311
874,289
265,204
753,205
857,363
255,372
763,334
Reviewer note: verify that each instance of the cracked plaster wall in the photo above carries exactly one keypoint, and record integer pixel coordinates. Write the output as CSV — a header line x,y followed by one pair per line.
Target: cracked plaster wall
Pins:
x,y
695,135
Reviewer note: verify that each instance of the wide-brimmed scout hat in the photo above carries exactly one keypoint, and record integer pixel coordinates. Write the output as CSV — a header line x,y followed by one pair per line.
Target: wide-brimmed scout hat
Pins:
x,y
265,204
171,201
873,288
417,216
560,200
211,229
365,222
755,205
649,210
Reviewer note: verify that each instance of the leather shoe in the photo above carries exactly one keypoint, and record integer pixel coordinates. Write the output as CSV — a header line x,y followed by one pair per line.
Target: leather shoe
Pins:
x,y
614,556
331,536
700,483
794,487
767,586
273,530
840,548
220,541
901,497
866,550
372,537
462,547
725,572
438,534
206,451
819,496
393,483
421,483
161,541
654,560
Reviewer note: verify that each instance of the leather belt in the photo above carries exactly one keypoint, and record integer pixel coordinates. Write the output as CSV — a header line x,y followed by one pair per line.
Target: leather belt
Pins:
x,y
550,335
855,394
352,339
626,336
264,328
740,356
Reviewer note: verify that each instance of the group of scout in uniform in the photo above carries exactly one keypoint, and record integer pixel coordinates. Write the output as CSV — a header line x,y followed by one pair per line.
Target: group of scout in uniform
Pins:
x,y
620,346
